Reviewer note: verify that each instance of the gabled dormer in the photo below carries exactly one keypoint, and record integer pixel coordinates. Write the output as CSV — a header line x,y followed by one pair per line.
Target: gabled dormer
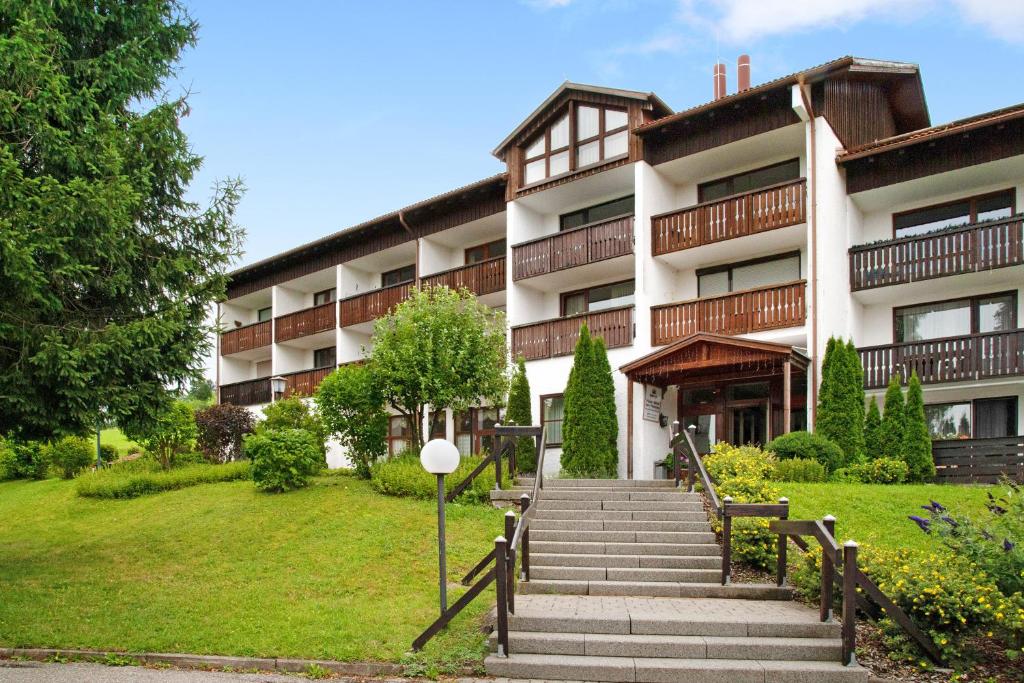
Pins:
x,y
578,131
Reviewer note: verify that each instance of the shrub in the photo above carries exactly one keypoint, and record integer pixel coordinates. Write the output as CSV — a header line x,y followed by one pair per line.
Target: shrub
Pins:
x,y
8,461
294,413
807,446
404,476
917,441
220,429
171,434
877,471
109,453
70,455
520,413
841,400
893,421
284,459
586,442
874,447
352,409
799,469
25,460
145,476
742,472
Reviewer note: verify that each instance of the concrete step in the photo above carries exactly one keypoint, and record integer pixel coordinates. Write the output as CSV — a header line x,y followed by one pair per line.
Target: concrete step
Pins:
x,y
624,574
545,524
623,515
669,670
617,494
664,561
552,483
703,536
621,505
656,589
703,544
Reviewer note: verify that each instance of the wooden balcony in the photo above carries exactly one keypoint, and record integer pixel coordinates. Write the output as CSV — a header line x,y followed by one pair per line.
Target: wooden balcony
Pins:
x,y
306,322
570,248
751,213
249,393
558,336
951,359
484,277
966,249
246,338
752,310
305,382
364,308
979,461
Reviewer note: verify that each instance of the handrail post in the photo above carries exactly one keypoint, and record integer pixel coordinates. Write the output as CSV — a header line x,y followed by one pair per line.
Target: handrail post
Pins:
x,y
524,571
726,541
828,573
676,452
691,464
497,461
849,603
500,587
510,561
513,468
780,567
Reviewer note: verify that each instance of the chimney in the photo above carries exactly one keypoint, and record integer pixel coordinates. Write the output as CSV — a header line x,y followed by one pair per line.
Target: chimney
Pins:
x,y
719,81
743,73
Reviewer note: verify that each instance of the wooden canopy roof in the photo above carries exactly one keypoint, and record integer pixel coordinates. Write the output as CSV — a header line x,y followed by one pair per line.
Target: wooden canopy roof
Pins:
x,y
704,356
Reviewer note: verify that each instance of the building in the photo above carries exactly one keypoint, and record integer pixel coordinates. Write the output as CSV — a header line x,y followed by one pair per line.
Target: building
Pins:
x,y
715,249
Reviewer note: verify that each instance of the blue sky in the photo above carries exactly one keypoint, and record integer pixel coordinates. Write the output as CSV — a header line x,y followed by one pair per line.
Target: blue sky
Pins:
x,y
335,112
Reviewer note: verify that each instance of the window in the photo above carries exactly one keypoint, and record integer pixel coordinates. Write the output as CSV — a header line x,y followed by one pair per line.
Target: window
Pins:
x,y
398,276
399,434
325,297
599,212
474,430
325,357
552,411
483,252
978,419
748,275
264,314
961,212
956,318
438,425
598,298
582,136
748,181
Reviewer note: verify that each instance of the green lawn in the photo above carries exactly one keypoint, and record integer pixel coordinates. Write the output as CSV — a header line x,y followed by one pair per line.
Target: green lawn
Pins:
x,y
335,571
116,438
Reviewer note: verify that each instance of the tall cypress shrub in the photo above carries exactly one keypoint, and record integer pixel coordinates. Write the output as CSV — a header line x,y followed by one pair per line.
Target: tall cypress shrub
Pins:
x,y
841,399
893,421
583,427
854,396
874,447
519,413
917,442
605,390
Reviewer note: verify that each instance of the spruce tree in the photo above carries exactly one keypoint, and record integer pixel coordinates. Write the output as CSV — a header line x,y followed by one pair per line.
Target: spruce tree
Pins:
x,y
841,400
583,426
854,397
874,447
917,442
606,397
893,421
519,413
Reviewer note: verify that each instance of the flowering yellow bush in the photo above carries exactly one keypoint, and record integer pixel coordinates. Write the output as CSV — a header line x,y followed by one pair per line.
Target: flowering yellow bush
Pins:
x,y
742,472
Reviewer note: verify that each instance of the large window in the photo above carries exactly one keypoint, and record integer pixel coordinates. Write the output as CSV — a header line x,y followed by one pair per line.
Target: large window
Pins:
x,y
552,412
325,296
956,318
399,434
961,212
482,252
599,212
598,298
398,276
325,357
582,136
264,314
978,419
474,430
737,277
748,181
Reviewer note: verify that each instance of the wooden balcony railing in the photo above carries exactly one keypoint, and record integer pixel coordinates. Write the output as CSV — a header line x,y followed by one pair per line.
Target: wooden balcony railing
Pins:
x,y
769,208
951,359
247,338
558,336
571,248
484,277
979,461
305,382
752,310
306,322
966,249
374,304
249,393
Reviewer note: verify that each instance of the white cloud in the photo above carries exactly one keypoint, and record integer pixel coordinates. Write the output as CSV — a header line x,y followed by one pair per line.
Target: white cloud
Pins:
x,y
1003,18
547,4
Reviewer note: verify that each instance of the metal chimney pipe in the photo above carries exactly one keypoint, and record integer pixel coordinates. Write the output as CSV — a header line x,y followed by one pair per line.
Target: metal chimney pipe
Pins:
x,y
743,73
719,80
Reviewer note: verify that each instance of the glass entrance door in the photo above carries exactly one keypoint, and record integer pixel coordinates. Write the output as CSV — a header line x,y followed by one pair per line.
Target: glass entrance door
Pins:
x,y
748,425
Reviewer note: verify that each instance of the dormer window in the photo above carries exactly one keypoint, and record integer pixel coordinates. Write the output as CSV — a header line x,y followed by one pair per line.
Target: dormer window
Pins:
x,y
582,136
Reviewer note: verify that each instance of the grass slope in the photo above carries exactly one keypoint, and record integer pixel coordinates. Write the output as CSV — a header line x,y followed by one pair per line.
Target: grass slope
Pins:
x,y
334,571
116,438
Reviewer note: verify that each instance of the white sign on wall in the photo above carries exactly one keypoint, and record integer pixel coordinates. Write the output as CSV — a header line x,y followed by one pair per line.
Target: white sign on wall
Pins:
x,y
652,404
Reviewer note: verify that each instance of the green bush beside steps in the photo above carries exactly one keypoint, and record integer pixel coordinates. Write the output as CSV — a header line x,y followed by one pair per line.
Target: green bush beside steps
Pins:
x,y
403,475
131,480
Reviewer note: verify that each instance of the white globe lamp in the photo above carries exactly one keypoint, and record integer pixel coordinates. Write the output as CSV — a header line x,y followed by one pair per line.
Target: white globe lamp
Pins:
x,y
440,457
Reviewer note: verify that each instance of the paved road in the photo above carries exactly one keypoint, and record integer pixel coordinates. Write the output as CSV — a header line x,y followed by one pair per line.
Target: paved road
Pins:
x,y
38,672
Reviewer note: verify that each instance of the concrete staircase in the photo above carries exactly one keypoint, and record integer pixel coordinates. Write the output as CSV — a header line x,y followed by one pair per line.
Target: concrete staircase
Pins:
x,y
625,586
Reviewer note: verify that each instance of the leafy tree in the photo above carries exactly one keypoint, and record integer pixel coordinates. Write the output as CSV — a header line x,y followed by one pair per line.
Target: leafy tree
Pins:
x,y
840,416
893,421
440,348
220,431
352,409
585,439
917,442
294,413
201,391
520,413
108,269
70,455
171,434
874,446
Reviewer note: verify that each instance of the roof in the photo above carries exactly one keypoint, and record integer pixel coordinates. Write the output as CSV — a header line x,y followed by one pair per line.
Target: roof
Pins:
x,y
578,87
853,65
926,134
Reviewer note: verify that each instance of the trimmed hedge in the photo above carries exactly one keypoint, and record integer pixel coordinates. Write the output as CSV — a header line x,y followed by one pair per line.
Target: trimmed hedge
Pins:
x,y
877,471
799,469
140,478
807,446
404,476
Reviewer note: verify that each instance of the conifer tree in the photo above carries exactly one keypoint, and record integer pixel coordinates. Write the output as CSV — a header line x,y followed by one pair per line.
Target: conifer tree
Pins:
x,y
841,399
917,442
606,395
854,387
519,413
873,445
893,421
584,433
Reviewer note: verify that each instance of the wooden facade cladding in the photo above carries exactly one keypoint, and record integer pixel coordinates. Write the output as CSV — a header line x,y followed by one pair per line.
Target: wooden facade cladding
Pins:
x,y
306,322
367,307
978,461
858,111
774,207
245,338
570,248
954,251
249,393
484,277
558,336
305,382
752,310
951,359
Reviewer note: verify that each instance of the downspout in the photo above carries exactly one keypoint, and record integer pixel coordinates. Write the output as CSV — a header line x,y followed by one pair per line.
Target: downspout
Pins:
x,y
216,360
402,221
812,217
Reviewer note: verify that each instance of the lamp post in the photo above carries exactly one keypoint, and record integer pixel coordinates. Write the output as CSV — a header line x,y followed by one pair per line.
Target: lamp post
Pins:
x,y
440,457
277,386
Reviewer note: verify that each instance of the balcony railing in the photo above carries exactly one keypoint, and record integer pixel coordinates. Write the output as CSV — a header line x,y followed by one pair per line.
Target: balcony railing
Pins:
x,y
363,308
769,208
249,393
247,338
306,322
305,382
979,461
484,277
752,310
967,249
571,248
558,336
951,359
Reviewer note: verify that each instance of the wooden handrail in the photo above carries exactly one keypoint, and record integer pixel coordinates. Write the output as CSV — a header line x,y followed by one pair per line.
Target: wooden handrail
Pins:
x,y
579,246
737,195
967,227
